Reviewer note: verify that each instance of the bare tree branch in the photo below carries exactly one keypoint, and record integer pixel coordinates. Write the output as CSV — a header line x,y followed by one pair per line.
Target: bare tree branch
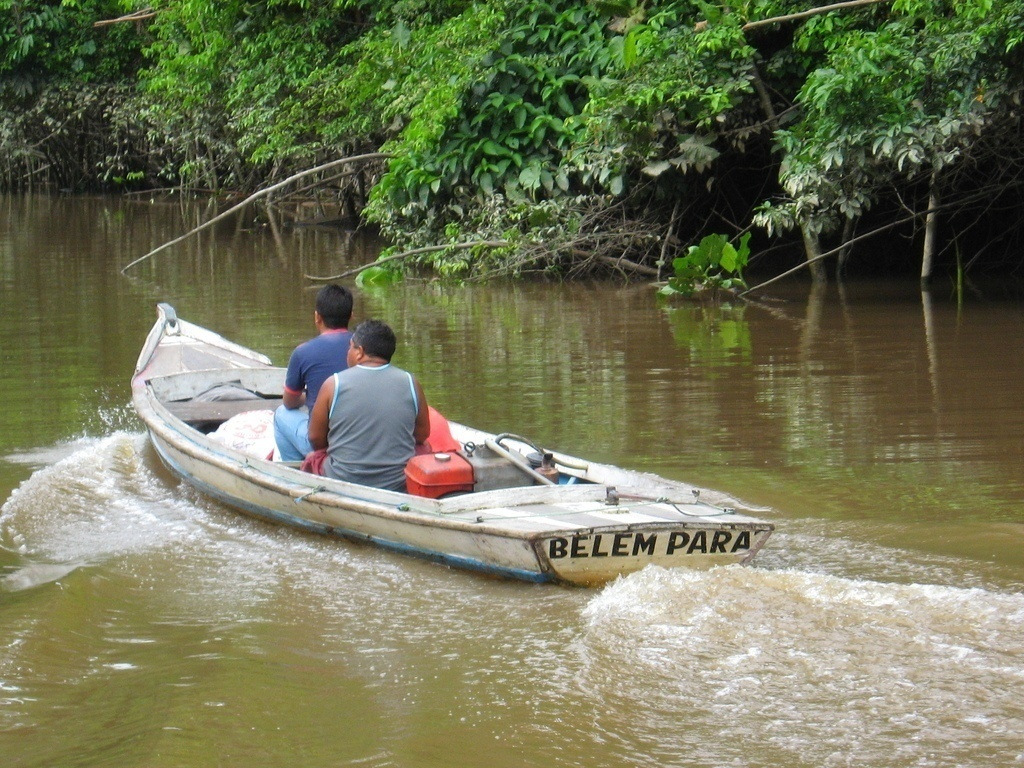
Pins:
x,y
621,262
145,13
811,12
798,16
256,196
980,195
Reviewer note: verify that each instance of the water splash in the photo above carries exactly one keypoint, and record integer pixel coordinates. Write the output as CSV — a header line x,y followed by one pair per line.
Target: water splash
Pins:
x,y
851,550
107,502
99,498
100,423
34,575
829,670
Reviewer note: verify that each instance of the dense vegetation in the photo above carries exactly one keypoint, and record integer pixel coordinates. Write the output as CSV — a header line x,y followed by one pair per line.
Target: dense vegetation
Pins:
x,y
583,136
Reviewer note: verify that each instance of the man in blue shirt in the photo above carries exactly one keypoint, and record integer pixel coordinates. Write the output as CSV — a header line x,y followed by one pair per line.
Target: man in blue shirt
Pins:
x,y
310,365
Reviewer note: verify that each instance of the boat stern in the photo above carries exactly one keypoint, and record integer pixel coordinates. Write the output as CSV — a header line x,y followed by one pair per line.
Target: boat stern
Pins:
x,y
591,558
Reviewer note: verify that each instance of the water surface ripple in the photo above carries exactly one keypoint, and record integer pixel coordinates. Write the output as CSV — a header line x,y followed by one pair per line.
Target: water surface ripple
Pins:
x,y
144,625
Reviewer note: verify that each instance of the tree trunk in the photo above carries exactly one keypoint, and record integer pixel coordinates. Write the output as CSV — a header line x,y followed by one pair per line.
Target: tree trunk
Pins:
x,y
845,248
931,224
813,249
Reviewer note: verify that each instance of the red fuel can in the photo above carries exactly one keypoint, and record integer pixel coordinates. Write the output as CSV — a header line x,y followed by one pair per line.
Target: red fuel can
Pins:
x,y
434,475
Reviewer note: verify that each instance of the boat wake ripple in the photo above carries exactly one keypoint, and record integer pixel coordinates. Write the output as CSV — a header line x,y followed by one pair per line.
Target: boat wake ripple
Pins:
x,y
108,502
842,658
846,671
98,499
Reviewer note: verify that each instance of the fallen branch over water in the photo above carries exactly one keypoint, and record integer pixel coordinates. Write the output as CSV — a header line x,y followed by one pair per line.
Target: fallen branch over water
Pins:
x,y
413,252
256,196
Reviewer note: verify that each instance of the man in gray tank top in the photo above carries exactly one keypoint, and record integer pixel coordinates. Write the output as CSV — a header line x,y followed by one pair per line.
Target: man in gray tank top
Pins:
x,y
371,416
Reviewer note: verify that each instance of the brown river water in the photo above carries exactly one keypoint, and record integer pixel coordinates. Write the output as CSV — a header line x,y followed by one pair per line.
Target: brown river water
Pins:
x,y
882,626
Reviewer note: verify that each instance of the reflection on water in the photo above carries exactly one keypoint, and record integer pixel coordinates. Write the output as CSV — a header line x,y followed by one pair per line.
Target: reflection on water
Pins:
x,y
880,627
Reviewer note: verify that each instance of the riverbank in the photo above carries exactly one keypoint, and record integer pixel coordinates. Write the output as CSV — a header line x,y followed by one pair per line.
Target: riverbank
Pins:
x,y
591,139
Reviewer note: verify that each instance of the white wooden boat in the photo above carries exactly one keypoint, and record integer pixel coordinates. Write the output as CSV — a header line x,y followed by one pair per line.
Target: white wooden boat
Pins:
x,y
577,522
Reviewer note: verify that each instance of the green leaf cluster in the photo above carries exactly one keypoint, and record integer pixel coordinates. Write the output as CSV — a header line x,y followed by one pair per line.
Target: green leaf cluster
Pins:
x,y
512,118
711,266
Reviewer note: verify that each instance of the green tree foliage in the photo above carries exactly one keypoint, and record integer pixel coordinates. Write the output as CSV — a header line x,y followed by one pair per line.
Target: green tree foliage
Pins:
x,y
46,40
497,156
514,123
931,88
611,134
63,86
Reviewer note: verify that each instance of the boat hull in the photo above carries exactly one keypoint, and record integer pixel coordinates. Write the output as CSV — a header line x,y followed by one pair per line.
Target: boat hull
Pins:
x,y
581,558
312,508
597,523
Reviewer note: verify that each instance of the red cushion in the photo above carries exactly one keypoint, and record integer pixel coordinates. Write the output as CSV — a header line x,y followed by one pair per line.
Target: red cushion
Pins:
x,y
440,440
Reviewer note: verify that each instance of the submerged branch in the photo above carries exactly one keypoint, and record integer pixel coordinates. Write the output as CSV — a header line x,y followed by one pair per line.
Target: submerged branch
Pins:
x,y
413,252
622,261
256,196
817,259
981,194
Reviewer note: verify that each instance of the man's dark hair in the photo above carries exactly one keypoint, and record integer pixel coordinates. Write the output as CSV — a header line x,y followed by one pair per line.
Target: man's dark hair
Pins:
x,y
376,338
334,303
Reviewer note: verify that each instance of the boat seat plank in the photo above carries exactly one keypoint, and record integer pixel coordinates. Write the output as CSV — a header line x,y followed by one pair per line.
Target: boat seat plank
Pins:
x,y
219,410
